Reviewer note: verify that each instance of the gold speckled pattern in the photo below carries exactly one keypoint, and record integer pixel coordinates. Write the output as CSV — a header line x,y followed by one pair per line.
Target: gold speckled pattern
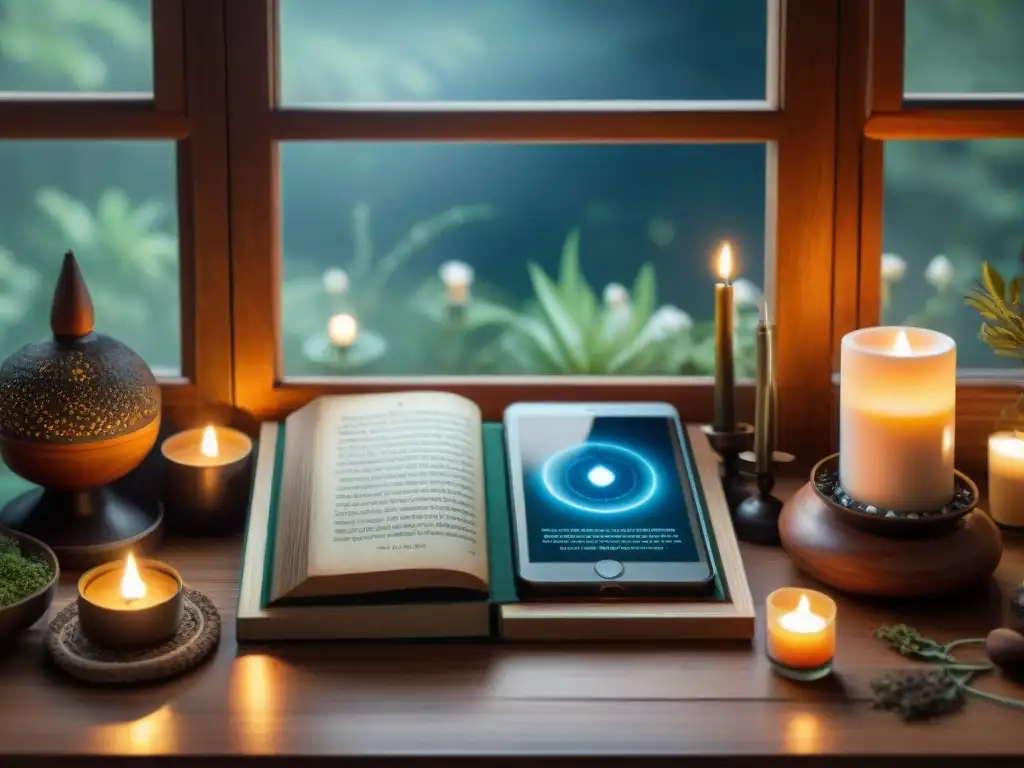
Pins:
x,y
77,391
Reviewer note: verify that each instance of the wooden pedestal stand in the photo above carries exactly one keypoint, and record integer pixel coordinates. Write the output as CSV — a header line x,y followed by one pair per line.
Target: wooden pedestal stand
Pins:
x,y
77,412
883,556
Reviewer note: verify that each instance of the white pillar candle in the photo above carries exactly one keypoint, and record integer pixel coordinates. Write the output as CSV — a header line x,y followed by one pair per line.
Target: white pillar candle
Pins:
x,y
897,408
1006,479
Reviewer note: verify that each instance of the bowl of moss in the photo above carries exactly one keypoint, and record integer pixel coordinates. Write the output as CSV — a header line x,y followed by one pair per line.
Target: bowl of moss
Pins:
x,y
28,581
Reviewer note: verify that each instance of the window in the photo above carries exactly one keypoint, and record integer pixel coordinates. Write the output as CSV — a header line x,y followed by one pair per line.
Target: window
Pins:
x,y
496,142
114,204
930,181
111,149
963,47
528,50
527,259
53,46
949,206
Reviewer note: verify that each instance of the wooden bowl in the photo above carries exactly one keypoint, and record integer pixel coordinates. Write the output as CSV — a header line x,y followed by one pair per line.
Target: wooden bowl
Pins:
x,y
23,614
901,525
820,541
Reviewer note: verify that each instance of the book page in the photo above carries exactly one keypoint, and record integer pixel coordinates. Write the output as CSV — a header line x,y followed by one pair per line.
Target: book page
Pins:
x,y
399,486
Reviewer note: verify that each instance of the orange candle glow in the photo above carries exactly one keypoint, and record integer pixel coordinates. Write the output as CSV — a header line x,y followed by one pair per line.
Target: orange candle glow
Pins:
x,y
801,632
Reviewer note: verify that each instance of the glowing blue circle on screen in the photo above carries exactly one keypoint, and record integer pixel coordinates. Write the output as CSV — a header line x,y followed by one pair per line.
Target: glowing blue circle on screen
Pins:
x,y
600,477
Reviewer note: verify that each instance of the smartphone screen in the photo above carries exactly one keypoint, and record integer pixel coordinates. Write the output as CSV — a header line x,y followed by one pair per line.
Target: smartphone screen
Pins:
x,y
606,487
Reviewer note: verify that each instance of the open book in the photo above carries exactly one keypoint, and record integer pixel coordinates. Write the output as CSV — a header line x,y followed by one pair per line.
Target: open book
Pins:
x,y
378,494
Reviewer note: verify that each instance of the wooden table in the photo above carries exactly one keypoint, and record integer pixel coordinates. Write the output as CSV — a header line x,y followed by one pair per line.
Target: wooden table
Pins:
x,y
438,700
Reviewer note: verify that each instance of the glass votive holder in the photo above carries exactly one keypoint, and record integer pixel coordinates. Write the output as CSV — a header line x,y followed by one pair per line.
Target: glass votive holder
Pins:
x,y
800,633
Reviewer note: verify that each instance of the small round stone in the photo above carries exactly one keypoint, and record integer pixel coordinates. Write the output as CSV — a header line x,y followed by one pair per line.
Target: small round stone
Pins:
x,y
871,509
1005,648
890,513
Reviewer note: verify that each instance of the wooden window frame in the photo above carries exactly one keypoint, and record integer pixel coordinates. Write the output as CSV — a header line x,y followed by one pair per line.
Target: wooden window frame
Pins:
x,y
187,106
873,109
799,132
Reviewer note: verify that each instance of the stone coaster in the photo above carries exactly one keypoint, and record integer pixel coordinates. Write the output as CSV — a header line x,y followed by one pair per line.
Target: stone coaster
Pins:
x,y
196,639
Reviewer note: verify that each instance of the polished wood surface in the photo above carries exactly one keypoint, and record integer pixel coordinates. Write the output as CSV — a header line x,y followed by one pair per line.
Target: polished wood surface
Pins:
x,y
412,700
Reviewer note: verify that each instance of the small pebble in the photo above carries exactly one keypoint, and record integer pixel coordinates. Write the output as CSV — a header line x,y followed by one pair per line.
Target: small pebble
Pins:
x,y
890,513
913,516
1005,648
871,509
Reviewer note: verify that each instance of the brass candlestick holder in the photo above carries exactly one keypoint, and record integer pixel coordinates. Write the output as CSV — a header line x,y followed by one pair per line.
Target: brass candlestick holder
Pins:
x,y
756,518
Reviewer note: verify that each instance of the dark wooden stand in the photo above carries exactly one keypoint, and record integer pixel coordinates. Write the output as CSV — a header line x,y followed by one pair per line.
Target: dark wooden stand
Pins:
x,y
86,528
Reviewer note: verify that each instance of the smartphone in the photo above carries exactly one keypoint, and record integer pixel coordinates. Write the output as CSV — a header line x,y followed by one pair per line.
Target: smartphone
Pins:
x,y
605,500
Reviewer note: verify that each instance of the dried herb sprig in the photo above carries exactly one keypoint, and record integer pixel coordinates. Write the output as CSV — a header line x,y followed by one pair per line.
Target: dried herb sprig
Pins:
x,y
20,575
912,644
939,690
917,695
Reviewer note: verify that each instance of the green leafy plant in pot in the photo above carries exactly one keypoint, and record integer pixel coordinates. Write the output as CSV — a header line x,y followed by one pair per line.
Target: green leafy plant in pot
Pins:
x,y
1002,327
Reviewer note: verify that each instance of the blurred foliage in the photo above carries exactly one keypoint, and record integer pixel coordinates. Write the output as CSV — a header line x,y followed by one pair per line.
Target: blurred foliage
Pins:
x,y
67,43
328,64
565,329
308,302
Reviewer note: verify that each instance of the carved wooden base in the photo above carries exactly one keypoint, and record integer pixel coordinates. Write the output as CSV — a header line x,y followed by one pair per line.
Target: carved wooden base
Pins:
x,y
820,543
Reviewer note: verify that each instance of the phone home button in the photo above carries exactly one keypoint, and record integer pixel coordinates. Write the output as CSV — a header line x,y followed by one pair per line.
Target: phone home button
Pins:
x,y
608,569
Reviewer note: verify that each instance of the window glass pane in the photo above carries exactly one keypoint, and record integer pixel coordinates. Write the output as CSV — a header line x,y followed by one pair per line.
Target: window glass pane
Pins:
x,y
406,50
964,46
76,45
114,204
949,206
572,259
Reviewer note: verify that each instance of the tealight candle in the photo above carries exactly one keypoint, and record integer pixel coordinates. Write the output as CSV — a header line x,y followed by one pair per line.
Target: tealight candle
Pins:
x,y
457,278
801,633
206,479
342,330
1006,479
897,406
130,605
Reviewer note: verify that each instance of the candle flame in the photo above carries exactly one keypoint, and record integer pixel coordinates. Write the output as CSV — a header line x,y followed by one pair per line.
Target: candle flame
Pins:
x,y
802,620
209,446
901,345
1012,447
342,330
725,265
132,585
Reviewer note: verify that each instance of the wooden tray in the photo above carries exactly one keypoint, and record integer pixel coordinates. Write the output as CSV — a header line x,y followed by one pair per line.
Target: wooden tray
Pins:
x,y
655,620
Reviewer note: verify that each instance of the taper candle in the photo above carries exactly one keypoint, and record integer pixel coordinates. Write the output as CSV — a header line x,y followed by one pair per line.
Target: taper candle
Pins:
x,y
764,417
725,378
897,404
